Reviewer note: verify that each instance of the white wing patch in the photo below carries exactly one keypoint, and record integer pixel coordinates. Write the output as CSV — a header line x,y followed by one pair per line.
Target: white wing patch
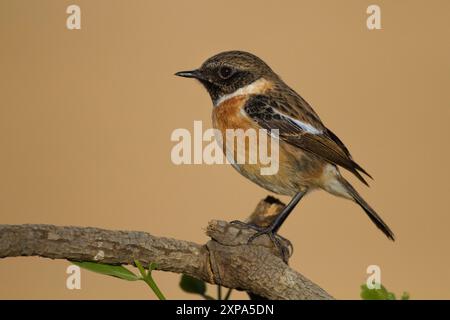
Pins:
x,y
303,125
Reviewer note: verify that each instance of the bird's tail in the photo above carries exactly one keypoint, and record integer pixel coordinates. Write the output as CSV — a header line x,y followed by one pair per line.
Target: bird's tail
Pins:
x,y
351,193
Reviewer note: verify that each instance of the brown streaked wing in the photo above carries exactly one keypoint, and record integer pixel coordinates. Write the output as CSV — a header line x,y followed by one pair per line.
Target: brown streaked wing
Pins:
x,y
262,108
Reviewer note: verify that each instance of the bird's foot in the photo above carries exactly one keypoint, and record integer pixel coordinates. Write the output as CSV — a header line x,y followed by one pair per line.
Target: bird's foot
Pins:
x,y
286,251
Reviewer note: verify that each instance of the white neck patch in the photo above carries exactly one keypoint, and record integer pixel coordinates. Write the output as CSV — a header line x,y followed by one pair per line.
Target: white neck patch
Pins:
x,y
256,87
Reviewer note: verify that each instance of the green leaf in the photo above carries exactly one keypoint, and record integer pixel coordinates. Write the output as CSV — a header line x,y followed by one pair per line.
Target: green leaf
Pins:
x,y
405,296
152,266
107,269
391,296
192,285
376,294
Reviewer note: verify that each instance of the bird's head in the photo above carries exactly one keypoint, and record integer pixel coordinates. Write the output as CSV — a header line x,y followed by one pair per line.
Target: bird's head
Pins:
x,y
229,71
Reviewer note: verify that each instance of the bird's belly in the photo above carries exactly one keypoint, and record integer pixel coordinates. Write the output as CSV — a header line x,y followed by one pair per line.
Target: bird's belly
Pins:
x,y
297,170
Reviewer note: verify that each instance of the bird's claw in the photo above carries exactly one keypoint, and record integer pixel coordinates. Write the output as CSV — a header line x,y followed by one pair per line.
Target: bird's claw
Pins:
x,y
286,252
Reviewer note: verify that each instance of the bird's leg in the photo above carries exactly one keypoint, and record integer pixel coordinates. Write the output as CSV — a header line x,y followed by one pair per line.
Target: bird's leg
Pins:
x,y
272,229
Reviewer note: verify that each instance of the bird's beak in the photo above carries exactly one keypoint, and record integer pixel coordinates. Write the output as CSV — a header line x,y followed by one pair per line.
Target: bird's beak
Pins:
x,y
190,74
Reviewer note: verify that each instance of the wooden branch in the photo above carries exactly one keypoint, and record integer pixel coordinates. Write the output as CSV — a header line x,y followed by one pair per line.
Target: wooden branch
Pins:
x,y
226,259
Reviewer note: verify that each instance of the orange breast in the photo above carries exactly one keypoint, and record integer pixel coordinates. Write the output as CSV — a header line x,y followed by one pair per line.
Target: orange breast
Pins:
x,y
228,115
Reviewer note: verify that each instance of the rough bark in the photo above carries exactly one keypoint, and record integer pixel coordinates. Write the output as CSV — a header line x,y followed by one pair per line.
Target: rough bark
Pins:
x,y
226,259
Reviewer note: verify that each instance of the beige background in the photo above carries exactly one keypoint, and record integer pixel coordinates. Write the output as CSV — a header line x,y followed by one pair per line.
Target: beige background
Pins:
x,y
86,118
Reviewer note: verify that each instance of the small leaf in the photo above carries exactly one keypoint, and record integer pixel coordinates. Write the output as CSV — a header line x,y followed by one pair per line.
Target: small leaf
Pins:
x,y
152,266
376,294
391,296
107,269
380,294
405,296
192,285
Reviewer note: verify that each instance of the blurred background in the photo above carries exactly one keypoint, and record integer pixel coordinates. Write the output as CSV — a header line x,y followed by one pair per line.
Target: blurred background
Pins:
x,y
86,117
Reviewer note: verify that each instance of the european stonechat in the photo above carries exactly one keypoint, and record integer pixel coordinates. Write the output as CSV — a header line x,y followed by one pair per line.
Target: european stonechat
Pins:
x,y
246,93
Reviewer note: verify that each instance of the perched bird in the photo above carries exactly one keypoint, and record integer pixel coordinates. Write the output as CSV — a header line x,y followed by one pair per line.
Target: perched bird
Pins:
x,y
247,93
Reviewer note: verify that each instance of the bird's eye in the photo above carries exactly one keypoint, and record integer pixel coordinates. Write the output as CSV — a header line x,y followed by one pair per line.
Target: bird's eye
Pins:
x,y
225,72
